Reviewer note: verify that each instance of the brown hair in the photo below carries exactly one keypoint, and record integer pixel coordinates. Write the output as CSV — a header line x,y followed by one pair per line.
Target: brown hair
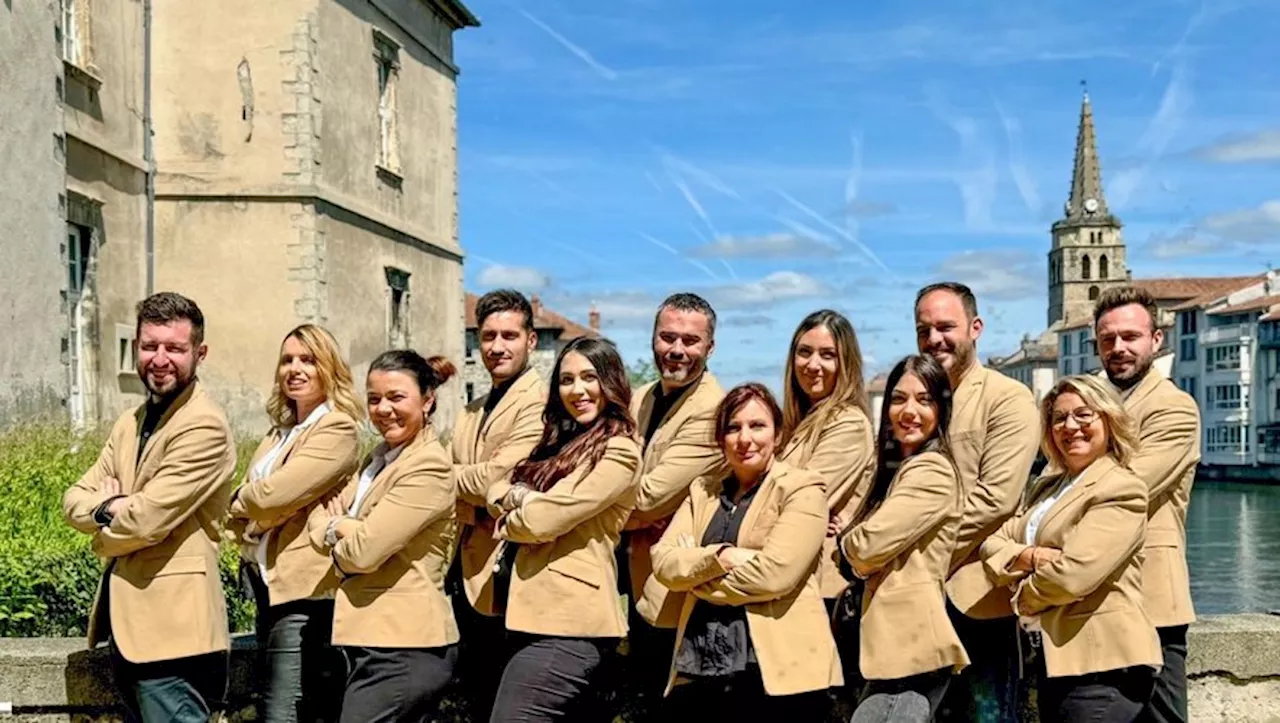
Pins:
x,y
1119,296
335,378
566,445
500,300
967,299
889,458
739,397
166,307
849,391
429,373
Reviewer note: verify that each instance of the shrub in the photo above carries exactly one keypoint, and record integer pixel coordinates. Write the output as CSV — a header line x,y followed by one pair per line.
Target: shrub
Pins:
x,y
48,575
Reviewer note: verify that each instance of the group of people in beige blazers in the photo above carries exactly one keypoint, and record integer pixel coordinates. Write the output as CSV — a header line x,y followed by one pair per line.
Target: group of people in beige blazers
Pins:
x,y
712,554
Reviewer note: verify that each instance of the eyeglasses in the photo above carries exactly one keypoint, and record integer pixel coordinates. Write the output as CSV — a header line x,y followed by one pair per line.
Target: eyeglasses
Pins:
x,y
1084,416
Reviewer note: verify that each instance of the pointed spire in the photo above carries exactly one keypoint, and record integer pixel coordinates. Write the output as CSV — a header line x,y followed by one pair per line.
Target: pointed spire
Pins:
x,y
1086,177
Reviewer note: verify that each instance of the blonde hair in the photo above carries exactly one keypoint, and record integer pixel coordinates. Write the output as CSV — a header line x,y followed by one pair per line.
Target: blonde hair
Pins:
x,y
1122,438
797,412
331,368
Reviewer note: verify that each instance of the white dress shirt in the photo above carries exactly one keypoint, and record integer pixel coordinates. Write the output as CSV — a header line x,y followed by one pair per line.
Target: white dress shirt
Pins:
x,y
263,468
1033,528
382,456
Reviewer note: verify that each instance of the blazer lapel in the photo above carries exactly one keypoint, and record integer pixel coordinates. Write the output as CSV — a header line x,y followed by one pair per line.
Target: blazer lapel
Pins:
x,y
704,507
1091,475
776,472
644,410
966,397
1149,384
378,487
162,428
527,381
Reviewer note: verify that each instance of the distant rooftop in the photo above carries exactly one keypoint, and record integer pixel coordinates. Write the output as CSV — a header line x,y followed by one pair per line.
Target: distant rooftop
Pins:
x,y
544,320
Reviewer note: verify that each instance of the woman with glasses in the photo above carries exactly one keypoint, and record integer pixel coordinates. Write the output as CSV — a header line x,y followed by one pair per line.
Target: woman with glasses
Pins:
x,y
1073,559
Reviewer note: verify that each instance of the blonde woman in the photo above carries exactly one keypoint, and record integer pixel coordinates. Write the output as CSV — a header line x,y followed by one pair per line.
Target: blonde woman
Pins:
x,y
1074,556
310,451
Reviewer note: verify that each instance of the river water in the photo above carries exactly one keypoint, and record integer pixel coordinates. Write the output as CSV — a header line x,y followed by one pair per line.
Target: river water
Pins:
x,y
1233,547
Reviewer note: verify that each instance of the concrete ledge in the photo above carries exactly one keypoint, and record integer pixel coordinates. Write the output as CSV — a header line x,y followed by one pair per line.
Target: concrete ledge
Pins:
x,y
1233,665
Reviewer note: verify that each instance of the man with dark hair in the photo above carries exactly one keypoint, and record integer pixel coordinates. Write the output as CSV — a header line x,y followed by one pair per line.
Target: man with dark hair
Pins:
x,y
493,434
676,415
154,503
1168,426
994,435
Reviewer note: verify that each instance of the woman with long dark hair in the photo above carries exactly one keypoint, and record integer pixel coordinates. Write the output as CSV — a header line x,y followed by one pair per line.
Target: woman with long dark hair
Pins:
x,y
902,549
390,534
560,515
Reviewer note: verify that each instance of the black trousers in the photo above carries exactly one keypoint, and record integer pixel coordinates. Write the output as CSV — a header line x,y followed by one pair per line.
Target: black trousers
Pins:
x,y
396,685
482,651
1115,696
987,690
1168,702
741,697
301,675
185,690
554,679
649,654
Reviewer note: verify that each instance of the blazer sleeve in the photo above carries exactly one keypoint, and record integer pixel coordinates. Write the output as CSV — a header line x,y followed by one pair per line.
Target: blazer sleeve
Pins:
x,y
841,458
198,463
324,459
1168,445
83,498
549,515
474,480
680,569
1000,550
692,453
788,556
923,495
1012,438
1111,531
418,499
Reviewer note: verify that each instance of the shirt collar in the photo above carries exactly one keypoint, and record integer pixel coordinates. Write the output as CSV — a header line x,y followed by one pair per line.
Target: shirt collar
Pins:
x,y
315,415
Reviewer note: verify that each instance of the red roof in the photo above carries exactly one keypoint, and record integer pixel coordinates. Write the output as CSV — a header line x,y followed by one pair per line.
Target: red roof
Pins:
x,y
1260,303
1194,289
543,319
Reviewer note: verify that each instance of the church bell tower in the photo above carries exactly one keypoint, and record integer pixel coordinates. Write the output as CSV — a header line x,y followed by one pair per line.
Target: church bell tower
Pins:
x,y
1088,252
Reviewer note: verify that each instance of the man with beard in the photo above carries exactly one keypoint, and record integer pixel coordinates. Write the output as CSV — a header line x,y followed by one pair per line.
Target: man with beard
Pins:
x,y
154,503
676,415
494,434
994,435
1168,425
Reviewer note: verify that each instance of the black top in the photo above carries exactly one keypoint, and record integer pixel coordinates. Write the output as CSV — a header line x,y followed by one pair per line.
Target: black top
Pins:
x,y
662,403
716,639
496,394
155,410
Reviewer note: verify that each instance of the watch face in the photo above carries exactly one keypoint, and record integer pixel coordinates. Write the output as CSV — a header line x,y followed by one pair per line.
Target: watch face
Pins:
x,y
1090,205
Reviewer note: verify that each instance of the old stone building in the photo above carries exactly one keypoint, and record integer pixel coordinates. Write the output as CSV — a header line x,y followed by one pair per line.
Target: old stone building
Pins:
x,y
554,331
305,169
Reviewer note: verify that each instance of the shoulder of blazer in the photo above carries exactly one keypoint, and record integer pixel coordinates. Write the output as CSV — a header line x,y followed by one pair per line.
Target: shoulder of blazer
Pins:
x,y
640,396
201,410
624,446
1165,395
933,463
1116,475
1001,386
788,479
708,393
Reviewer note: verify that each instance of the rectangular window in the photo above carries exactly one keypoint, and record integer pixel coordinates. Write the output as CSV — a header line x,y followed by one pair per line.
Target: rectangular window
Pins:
x,y
75,32
1222,358
1224,396
471,392
1066,366
79,256
386,57
1187,350
473,341
1188,322
397,308
1066,345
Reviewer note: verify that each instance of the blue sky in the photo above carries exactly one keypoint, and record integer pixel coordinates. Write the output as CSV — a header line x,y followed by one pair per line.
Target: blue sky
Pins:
x,y
783,160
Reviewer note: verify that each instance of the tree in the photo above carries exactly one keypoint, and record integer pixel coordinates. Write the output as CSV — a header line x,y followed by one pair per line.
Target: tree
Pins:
x,y
641,372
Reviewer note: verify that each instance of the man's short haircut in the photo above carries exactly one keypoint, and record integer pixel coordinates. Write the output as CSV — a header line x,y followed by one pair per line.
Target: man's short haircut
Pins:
x,y
167,307
685,301
500,300
967,299
1119,296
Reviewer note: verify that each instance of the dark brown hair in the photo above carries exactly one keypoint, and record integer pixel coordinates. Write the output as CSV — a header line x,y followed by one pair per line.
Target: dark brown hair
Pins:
x,y
685,301
938,384
500,300
428,373
1119,296
739,397
566,445
166,307
967,299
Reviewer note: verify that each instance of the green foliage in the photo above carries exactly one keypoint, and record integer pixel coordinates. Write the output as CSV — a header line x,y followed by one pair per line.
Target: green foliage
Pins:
x,y
641,372
48,575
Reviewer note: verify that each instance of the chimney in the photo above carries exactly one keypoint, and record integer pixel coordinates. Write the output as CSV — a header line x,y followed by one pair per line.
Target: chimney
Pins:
x,y
536,303
593,318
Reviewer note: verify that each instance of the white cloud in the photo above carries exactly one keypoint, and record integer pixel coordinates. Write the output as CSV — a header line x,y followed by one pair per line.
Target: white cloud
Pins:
x,y
1250,225
778,286
524,278
1260,146
1005,274
1161,129
745,320
1183,242
768,246
600,69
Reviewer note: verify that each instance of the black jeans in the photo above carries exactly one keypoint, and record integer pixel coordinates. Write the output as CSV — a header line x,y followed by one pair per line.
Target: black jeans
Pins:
x,y
396,685
554,679
482,651
987,690
905,700
1115,696
741,697
301,675
185,690
1168,702
649,654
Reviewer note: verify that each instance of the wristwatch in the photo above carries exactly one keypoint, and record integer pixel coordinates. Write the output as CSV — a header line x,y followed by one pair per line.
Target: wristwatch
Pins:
x,y
102,515
331,532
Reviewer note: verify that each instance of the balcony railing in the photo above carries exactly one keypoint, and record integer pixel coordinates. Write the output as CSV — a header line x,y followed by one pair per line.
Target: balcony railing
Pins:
x,y
1218,334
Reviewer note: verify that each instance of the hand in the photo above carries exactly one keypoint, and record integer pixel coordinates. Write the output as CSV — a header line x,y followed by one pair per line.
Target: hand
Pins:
x,y
1045,556
1022,563
731,557
685,540
835,524
117,505
345,527
111,487
333,506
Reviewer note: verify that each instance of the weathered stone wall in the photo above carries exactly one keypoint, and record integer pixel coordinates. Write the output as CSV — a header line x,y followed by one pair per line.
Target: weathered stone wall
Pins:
x,y
1234,667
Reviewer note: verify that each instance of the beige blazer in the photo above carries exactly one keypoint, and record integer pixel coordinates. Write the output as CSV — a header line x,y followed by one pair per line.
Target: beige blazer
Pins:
x,y
1090,599
843,455
786,618
994,436
565,577
393,565
320,459
482,455
682,449
1168,423
904,548
164,590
